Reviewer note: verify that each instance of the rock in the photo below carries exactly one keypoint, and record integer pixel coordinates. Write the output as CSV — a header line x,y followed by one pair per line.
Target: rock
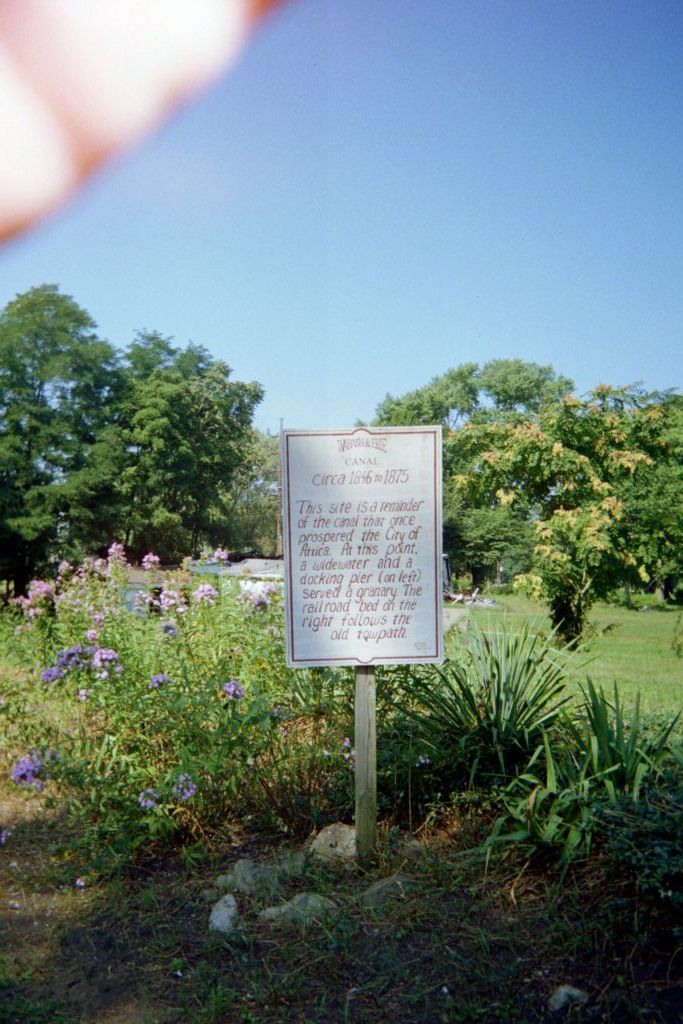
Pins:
x,y
292,864
248,876
410,848
566,995
225,916
386,889
335,844
304,908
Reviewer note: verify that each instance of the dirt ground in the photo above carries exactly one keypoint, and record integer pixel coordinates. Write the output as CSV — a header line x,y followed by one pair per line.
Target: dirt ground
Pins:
x,y
136,949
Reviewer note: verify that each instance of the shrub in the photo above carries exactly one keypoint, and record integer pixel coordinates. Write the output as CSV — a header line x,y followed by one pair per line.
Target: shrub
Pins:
x,y
618,750
600,758
646,837
486,710
171,719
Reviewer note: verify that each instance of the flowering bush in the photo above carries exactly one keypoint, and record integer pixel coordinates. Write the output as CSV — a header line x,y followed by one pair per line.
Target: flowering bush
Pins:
x,y
31,769
258,594
150,562
39,600
205,593
177,716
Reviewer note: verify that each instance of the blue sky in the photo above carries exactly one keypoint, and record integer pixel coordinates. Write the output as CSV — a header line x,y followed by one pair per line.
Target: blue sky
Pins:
x,y
381,190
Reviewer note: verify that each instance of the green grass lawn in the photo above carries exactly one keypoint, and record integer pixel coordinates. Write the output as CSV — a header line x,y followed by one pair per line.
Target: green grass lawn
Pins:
x,y
634,648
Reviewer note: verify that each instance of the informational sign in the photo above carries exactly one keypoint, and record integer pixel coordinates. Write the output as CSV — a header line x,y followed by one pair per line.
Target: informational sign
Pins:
x,y
362,540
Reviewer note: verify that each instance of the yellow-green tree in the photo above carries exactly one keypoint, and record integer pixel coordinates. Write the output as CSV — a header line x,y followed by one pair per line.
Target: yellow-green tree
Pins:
x,y
573,466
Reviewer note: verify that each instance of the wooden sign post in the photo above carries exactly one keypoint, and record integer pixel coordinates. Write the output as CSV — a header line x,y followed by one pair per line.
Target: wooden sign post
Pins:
x,y
362,547
366,762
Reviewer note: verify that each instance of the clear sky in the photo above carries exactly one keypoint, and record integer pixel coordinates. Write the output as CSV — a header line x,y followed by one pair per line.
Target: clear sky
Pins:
x,y
383,189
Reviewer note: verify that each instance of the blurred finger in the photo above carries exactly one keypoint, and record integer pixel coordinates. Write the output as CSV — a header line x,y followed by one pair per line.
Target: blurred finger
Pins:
x,y
80,80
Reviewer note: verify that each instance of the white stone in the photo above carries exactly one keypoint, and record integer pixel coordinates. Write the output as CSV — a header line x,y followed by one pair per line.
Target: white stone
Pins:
x,y
248,876
224,916
566,995
385,889
301,909
335,844
292,864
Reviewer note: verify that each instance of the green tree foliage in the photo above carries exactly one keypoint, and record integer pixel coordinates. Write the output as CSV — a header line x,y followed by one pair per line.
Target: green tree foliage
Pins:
x,y
653,499
446,399
95,447
59,385
187,440
573,464
515,386
254,499
502,387
480,539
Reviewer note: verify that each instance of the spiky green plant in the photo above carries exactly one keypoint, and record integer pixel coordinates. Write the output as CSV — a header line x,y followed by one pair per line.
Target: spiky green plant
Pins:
x,y
600,758
618,748
488,709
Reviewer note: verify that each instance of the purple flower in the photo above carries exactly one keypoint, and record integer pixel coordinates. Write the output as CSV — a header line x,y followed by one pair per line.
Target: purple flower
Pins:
x,y
50,675
205,593
151,561
257,593
104,661
79,883
91,636
5,833
171,599
423,760
40,598
349,754
233,689
83,694
148,799
74,658
27,769
220,555
144,599
160,679
184,788
169,629
116,554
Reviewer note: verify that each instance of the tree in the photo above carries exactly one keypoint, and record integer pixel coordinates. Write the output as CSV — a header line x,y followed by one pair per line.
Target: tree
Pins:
x,y
187,440
653,500
151,351
94,447
446,400
478,537
502,388
515,386
59,383
572,464
254,499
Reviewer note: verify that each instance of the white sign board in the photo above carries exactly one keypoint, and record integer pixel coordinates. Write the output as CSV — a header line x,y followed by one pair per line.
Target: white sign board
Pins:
x,y
362,540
